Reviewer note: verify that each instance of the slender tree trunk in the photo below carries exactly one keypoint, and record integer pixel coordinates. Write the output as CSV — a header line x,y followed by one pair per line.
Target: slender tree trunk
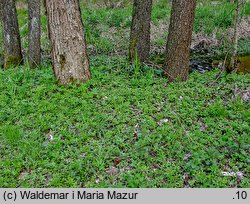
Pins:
x,y
1,9
12,43
179,39
236,27
34,53
140,30
66,33
234,55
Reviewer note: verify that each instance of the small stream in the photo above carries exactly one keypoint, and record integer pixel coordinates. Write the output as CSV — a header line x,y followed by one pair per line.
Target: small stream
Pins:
x,y
203,64
202,60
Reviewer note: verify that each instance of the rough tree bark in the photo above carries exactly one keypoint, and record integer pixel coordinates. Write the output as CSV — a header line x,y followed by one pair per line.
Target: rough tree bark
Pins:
x,y
34,50
12,42
179,39
140,30
66,33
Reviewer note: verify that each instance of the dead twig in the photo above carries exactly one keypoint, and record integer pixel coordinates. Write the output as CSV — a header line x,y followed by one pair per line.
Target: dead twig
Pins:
x,y
223,68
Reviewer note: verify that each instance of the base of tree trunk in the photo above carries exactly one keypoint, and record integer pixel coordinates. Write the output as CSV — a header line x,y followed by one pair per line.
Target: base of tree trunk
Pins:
x,y
176,65
66,33
139,47
12,42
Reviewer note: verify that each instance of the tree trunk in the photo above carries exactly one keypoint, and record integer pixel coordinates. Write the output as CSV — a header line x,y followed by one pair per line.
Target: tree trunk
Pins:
x,y
1,9
66,33
12,43
234,62
236,27
179,39
34,53
1,19
140,30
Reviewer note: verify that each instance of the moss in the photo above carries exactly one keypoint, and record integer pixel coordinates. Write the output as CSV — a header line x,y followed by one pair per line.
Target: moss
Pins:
x,y
62,62
133,48
1,60
12,60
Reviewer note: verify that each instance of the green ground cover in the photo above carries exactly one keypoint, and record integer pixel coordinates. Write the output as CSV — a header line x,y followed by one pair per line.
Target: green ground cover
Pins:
x,y
126,127
122,129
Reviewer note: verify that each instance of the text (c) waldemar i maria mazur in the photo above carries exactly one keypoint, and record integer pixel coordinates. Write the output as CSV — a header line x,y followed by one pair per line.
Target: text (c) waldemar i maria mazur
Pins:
x,y
77,195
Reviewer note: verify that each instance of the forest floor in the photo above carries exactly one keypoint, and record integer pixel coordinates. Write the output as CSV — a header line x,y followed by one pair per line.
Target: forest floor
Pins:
x,y
126,127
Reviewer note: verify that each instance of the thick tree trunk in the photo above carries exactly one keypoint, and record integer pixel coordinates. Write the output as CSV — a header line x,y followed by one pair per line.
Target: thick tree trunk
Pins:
x,y
140,30
179,39
12,43
34,53
70,60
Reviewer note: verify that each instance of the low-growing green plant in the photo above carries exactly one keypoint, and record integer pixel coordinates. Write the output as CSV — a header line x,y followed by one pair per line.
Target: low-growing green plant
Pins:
x,y
121,131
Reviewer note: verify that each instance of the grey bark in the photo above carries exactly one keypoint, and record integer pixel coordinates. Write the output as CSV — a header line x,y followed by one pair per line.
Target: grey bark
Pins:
x,y
236,26
12,43
140,30
34,50
66,33
234,62
179,39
